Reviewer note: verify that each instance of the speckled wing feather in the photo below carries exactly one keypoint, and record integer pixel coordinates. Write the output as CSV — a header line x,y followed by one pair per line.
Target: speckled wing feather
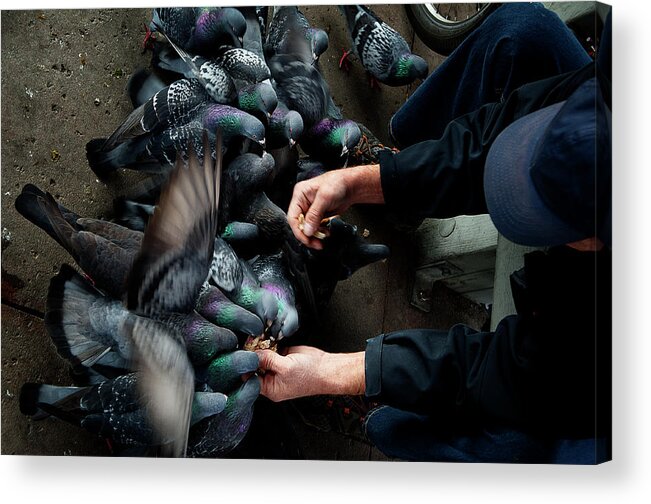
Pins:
x,y
177,248
166,380
171,106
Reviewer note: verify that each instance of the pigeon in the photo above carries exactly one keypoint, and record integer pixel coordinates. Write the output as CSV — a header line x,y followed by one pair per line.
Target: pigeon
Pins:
x,y
259,100
284,129
234,278
87,327
214,306
151,150
200,30
166,277
291,33
274,277
246,176
344,252
142,85
239,63
219,434
224,372
331,140
301,87
104,250
308,168
382,50
132,214
113,409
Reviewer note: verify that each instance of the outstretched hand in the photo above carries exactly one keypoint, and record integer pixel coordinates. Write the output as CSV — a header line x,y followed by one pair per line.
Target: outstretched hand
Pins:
x,y
329,194
305,371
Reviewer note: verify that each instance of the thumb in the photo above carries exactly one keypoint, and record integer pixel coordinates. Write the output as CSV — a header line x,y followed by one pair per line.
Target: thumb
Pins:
x,y
269,360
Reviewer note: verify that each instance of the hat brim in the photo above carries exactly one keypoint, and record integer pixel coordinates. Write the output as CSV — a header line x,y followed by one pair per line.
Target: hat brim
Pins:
x,y
513,203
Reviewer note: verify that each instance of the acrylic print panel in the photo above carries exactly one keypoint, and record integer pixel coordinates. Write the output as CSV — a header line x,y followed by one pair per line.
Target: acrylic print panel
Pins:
x,y
73,78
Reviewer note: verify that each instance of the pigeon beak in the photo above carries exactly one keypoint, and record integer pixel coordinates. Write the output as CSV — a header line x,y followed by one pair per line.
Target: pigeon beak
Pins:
x,y
262,142
344,151
292,142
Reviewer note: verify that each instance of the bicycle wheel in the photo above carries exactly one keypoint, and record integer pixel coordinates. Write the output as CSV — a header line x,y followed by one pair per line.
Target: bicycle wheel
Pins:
x,y
442,27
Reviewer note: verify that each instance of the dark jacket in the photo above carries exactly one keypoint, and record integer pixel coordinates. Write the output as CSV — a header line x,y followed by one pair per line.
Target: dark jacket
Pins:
x,y
537,370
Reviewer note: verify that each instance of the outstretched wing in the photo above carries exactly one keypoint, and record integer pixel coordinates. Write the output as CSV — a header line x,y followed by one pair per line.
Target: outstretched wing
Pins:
x,y
177,248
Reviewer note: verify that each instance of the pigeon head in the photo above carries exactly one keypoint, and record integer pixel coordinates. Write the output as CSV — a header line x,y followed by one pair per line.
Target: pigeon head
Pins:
x,y
204,340
406,69
289,324
318,42
285,127
334,138
259,100
294,123
225,371
206,404
234,122
235,22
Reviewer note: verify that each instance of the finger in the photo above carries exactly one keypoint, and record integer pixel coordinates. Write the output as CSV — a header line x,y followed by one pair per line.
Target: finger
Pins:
x,y
269,360
315,213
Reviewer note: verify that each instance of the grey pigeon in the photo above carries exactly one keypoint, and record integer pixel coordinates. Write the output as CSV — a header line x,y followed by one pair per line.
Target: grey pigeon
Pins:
x,y
215,307
219,434
86,326
234,278
224,372
382,50
301,87
258,99
113,409
167,275
104,250
331,140
153,149
275,277
239,64
291,33
246,201
285,127
200,30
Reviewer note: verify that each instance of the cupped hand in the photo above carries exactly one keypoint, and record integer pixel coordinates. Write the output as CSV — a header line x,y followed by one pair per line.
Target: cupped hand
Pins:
x,y
327,194
292,375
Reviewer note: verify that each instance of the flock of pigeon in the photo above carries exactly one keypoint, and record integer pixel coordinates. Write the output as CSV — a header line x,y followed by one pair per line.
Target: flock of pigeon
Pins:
x,y
199,266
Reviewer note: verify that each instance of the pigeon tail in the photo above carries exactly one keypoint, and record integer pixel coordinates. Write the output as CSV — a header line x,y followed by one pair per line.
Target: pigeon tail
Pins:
x,y
142,86
28,206
104,162
68,322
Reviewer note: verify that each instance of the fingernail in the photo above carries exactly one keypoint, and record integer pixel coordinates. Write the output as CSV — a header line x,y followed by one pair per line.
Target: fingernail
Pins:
x,y
308,229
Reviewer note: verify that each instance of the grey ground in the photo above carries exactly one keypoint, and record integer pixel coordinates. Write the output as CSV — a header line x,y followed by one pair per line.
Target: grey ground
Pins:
x,y
63,83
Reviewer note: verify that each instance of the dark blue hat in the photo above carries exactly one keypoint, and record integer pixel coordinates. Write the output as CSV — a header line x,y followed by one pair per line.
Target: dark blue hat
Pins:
x,y
547,178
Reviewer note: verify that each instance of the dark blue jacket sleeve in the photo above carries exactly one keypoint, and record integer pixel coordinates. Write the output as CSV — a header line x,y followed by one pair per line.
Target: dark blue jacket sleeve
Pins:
x,y
444,177
427,371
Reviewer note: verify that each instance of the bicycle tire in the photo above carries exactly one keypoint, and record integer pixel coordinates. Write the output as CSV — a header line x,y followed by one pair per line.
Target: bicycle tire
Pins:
x,y
444,35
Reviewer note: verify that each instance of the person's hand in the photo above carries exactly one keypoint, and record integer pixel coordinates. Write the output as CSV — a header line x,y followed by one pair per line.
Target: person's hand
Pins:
x,y
329,194
314,198
305,371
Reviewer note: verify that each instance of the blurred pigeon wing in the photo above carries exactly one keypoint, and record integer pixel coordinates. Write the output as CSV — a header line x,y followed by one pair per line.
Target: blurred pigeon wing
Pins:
x,y
177,248
166,381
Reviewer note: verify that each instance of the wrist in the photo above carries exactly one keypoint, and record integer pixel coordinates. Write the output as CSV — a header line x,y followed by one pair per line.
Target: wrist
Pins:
x,y
364,183
343,374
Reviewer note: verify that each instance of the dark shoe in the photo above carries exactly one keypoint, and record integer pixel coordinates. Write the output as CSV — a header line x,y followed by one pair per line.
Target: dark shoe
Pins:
x,y
367,151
